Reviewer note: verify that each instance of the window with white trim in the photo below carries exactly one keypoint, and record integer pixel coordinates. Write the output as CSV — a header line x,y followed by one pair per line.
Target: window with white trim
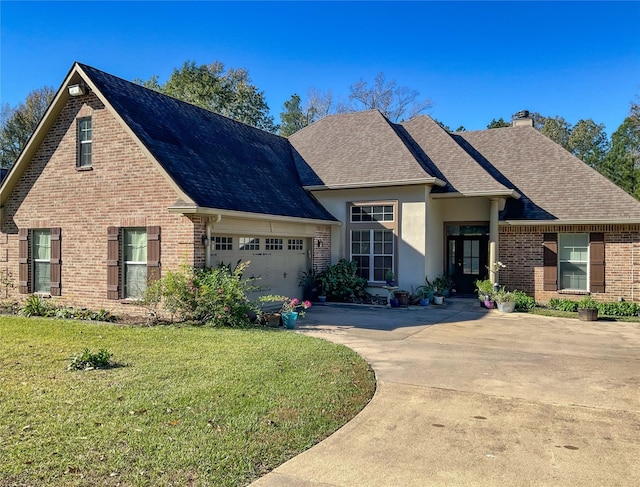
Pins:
x,y
134,252
41,251
85,139
372,238
249,243
273,244
573,261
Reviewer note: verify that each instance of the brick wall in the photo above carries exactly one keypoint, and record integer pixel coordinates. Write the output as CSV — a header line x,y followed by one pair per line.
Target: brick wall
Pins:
x,y
322,248
521,251
124,188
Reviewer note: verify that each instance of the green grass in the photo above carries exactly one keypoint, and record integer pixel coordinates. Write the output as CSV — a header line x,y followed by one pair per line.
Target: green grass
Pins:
x,y
184,405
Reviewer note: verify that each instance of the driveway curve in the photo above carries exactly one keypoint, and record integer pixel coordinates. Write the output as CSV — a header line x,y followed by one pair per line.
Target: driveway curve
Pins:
x,y
471,397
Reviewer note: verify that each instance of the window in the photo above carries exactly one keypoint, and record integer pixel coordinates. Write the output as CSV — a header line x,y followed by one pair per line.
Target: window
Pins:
x,y
273,244
573,261
223,243
372,234
377,213
295,244
249,243
133,259
41,252
84,142
39,263
134,253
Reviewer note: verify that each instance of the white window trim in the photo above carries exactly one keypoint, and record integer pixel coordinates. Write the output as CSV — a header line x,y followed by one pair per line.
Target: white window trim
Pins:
x,y
587,262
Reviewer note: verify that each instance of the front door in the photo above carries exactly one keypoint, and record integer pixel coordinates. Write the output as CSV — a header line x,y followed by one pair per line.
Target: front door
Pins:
x,y
467,258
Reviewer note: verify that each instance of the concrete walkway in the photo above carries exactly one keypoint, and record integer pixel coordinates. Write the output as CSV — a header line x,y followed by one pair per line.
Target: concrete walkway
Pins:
x,y
470,397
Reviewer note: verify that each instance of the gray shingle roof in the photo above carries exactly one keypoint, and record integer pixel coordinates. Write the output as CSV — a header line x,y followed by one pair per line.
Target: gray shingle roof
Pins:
x,y
554,184
355,148
218,162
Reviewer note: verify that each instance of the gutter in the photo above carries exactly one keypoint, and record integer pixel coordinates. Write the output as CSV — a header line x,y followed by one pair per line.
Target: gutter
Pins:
x,y
506,193
629,221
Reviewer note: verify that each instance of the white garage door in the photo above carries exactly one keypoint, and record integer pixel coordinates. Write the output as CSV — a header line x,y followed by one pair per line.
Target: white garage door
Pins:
x,y
278,262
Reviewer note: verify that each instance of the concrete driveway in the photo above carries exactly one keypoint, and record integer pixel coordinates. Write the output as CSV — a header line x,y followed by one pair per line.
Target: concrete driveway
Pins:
x,y
473,397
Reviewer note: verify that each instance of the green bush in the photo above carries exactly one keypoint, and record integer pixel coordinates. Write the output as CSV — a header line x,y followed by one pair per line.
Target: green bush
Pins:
x,y
524,302
622,308
88,360
35,305
340,282
216,296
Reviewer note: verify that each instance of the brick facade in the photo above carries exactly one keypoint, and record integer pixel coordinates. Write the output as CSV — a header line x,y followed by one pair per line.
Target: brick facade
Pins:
x,y
123,188
521,251
322,248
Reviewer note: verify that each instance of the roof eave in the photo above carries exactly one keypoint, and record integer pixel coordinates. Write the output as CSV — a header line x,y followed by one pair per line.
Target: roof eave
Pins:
x,y
609,221
200,210
377,184
507,193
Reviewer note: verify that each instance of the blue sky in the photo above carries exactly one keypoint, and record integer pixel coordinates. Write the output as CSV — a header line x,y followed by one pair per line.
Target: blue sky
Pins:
x,y
475,60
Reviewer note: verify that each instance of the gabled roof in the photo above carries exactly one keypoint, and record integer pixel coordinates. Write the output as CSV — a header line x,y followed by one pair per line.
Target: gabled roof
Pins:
x,y
461,172
359,149
218,162
553,183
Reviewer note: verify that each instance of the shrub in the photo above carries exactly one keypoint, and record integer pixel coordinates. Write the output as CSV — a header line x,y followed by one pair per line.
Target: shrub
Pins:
x,y
563,305
215,296
35,305
484,287
622,308
88,360
341,282
524,302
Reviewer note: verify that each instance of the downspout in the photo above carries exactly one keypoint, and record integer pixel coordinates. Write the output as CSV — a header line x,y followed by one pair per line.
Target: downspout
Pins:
x,y
493,239
210,222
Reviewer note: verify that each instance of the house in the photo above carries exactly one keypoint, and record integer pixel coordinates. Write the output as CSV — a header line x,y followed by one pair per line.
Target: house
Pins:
x,y
119,184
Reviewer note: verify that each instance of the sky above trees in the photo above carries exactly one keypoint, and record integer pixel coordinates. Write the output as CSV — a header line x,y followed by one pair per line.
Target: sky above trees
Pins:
x,y
476,61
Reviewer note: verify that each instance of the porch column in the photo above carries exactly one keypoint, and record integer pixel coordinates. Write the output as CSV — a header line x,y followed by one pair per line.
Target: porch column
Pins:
x,y
493,238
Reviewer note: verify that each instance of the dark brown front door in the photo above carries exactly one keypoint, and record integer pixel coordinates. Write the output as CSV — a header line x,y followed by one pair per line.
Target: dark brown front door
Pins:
x,y
467,258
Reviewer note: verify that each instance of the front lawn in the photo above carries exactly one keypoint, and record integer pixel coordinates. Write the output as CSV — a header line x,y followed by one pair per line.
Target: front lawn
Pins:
x,y
184,405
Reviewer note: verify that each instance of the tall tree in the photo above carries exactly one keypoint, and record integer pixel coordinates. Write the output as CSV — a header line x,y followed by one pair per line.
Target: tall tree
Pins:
x,y
397,103
17,124
622,163
497,124
588,141
227,92
556,128
292,118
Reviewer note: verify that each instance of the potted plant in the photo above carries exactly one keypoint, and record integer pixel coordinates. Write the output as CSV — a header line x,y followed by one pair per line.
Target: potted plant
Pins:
x,y
423,294
587,309
290,310
402,297
505,300
484,288
390,277
309,284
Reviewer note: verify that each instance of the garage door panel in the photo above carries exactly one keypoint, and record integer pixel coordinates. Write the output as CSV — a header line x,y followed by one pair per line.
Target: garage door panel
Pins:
x,y
276,271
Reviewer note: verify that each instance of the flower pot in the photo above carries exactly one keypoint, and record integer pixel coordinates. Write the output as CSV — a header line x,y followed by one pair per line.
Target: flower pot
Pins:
x,y
507,307
290,319
394,302
438,299
402,297
588,314
488,304
391,283
272,320
424,301
322,299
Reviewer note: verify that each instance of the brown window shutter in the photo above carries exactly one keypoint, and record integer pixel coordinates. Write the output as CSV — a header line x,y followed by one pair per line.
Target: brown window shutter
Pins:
x,y
55,261
596,263
153,253
550,261
113,263
23,260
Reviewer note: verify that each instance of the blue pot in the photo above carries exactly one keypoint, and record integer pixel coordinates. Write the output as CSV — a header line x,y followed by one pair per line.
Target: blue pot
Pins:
x,y
424,301
290,319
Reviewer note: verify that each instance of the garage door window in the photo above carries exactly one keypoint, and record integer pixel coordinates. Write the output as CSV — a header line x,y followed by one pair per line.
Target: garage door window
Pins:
x,y
224,243
295,244
273,244
249,243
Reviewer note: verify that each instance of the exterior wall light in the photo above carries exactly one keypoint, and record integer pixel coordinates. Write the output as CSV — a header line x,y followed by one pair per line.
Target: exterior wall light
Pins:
x,y
77,90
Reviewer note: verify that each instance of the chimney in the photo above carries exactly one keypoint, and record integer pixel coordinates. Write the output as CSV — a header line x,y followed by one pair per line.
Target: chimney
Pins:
x,y
522,119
